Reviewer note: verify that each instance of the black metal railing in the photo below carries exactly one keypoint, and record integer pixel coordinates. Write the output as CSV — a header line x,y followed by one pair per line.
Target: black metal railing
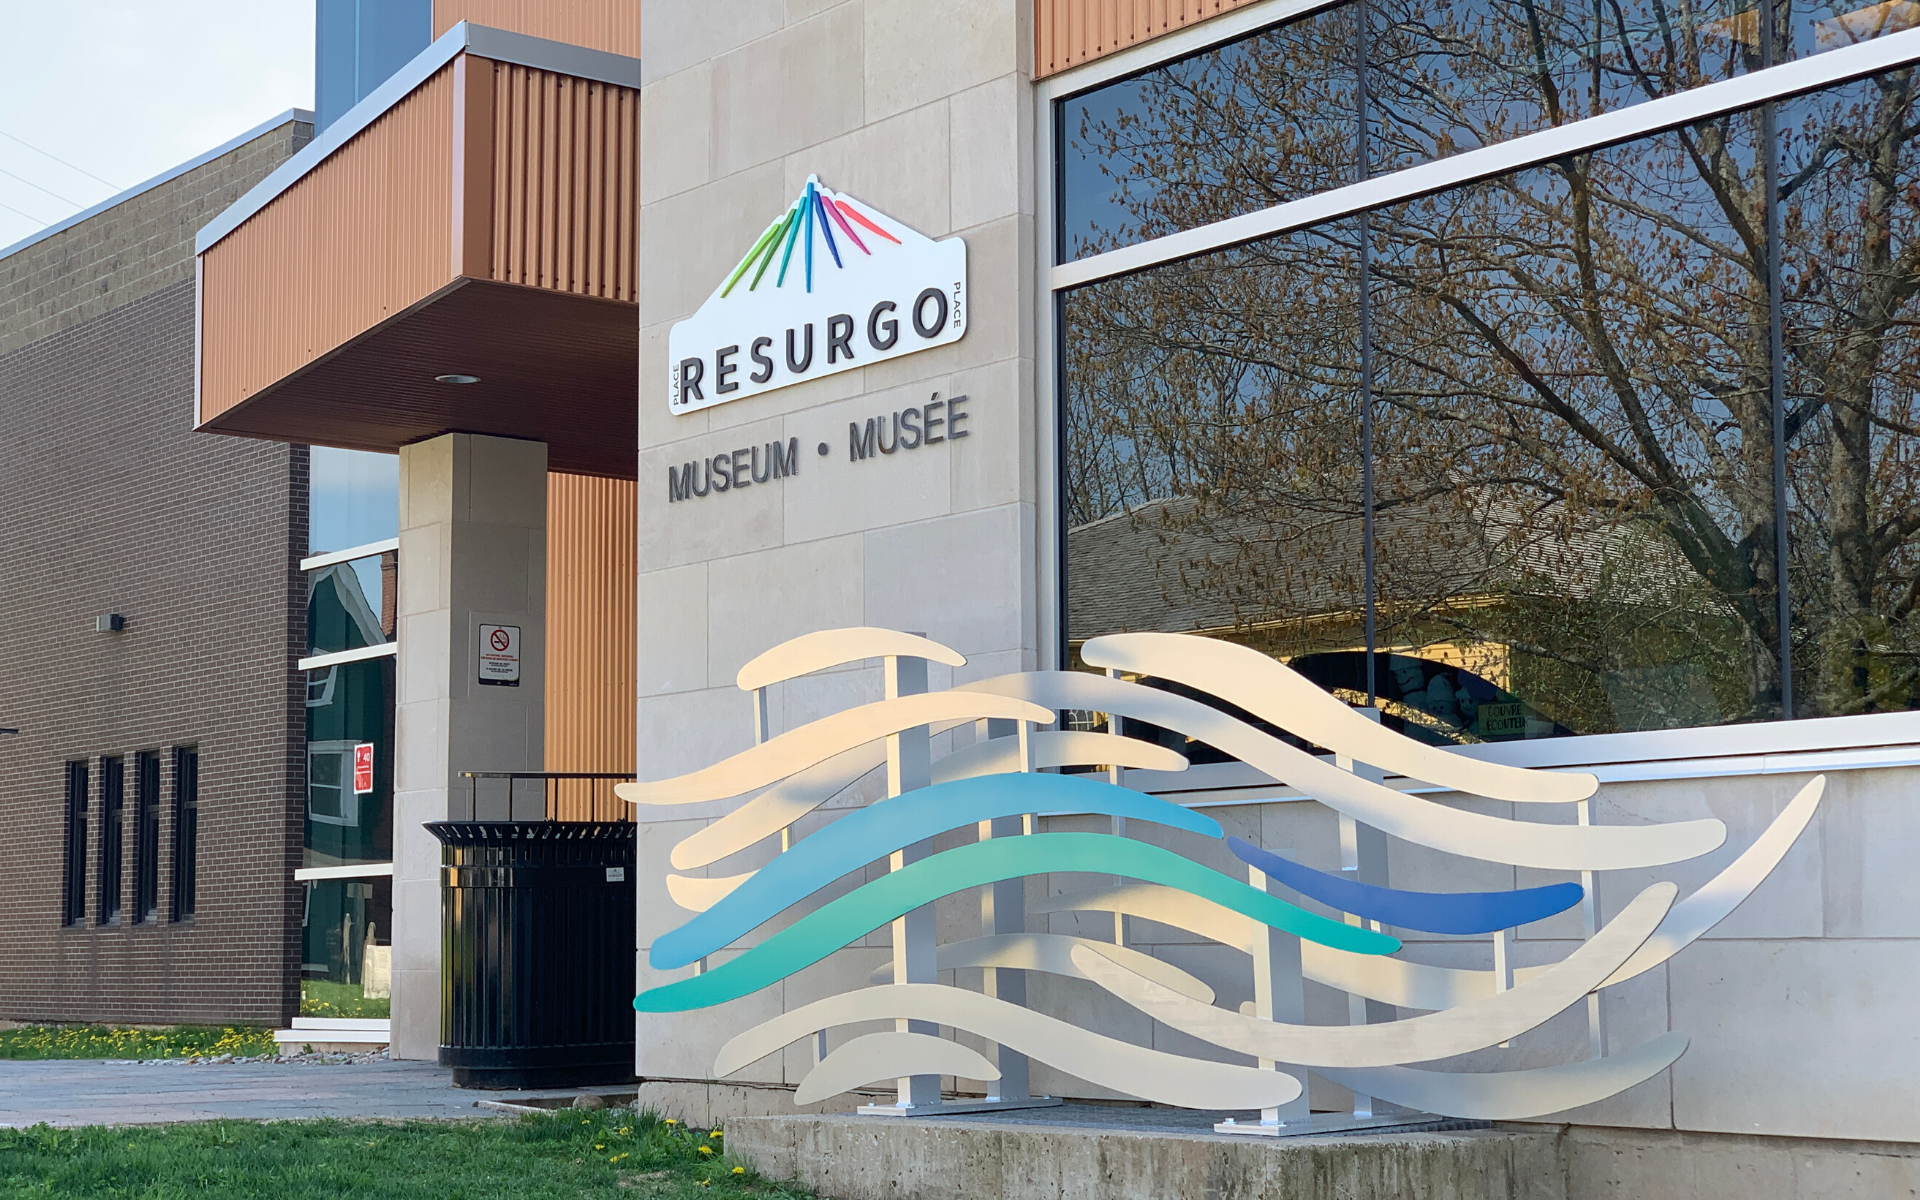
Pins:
x,y
545,796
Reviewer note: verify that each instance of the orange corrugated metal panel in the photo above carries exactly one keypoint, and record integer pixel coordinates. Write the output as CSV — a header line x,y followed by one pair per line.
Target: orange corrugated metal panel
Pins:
x,y
612,25
564,177
1070,32
591,564
361,237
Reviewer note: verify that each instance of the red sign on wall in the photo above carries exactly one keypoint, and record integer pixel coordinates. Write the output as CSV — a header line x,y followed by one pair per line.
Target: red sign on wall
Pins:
x,y
363,768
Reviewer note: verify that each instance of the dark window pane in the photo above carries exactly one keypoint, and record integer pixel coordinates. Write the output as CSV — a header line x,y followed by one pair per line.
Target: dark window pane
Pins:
x,y
1574,467
346,958
351,604
75,909
347,706
112,823
353,499
1240,127
146,835
1851,271
186,832
1211,429
1454,76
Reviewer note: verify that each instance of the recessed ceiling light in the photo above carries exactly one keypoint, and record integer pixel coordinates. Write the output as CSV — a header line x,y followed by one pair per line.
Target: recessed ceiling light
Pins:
x,y
456,379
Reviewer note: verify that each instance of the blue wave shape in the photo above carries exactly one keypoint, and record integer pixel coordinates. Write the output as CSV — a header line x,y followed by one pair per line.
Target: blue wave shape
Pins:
x,y
1428,912
879,829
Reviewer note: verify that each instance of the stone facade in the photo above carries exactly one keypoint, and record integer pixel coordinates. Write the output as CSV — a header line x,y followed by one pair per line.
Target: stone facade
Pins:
x,y
1794,1005
114,505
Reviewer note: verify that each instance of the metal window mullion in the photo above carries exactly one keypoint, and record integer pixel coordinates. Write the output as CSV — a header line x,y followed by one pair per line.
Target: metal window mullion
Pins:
x,y
1777,366
1363,17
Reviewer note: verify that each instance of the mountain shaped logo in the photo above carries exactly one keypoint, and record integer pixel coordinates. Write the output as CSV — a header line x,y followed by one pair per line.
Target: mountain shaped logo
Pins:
x,y
832,284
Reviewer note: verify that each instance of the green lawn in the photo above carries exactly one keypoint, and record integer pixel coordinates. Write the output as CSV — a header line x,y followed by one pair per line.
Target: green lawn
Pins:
x,y
98,1041
324,998
567,1155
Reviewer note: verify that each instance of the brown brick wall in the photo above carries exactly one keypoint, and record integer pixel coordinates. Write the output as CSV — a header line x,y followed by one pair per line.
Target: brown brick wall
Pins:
x,y
110,503
133,249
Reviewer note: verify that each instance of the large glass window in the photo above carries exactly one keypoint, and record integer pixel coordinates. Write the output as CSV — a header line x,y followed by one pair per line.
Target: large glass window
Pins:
x,y
347,859
1276,115
1240,127
350,764
1850,265
346,960
1572,393
186,832
353,499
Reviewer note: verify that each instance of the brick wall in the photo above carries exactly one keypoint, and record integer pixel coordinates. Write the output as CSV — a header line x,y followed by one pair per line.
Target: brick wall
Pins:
x,y
110,503
133,249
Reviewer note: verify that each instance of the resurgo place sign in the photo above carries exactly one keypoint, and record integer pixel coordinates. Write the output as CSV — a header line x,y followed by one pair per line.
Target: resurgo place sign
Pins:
x,y
831,285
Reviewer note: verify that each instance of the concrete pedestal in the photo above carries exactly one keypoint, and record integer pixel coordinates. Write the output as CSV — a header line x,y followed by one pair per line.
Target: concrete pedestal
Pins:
x,y
473,552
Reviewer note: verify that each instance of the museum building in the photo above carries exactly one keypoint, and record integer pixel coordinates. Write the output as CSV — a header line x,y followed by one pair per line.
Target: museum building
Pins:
x,y
1540,380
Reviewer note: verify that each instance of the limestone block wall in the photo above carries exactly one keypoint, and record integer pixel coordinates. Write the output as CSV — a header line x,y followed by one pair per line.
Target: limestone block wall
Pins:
x,y
1798,1006
920,111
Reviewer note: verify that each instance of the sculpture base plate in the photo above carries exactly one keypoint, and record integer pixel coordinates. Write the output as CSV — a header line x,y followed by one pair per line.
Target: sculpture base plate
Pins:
x,y
956,1107
1325,1123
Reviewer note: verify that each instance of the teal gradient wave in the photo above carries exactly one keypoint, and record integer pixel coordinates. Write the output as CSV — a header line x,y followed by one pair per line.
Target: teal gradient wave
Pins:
x,y
873,905
879,829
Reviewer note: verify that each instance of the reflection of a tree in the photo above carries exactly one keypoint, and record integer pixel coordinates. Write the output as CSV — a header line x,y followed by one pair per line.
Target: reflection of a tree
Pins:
x,y
1573,386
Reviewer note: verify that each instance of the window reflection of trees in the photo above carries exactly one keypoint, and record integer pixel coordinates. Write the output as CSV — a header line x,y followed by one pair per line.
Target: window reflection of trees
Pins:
x,y
1574,455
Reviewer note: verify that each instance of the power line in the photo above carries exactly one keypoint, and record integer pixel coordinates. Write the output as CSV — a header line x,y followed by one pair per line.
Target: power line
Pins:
x,y
63,162
36,187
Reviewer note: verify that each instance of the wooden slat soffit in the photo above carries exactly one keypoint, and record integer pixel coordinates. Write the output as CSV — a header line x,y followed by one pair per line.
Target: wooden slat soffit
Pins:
x,y
486,171
1070,32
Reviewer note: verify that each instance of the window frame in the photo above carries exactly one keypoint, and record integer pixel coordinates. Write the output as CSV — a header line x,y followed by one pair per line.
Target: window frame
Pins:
x,y
78,779
184,901
112,774
146,837
1799,744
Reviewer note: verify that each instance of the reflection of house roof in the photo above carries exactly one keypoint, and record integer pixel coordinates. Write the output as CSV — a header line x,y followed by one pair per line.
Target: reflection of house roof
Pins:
x,y
353,599
1175,565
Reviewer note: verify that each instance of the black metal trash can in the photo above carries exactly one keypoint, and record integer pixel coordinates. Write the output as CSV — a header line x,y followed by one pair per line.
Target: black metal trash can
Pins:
x,y
537,936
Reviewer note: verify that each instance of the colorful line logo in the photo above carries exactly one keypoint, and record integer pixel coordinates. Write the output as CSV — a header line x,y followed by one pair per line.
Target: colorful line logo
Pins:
x,y
814,208
829,285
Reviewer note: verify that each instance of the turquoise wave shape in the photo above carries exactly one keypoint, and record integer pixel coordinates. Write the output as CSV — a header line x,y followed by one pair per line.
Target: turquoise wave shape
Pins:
x,y
879,829
873,905
1428,912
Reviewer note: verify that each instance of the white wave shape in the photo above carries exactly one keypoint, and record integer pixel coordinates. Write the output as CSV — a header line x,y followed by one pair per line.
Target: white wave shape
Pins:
x,y
1107,1062
1410,818
1514,1095
699,895
890,1055
1472,1026
1275,692
1052,954
829,648
810,744
1055,748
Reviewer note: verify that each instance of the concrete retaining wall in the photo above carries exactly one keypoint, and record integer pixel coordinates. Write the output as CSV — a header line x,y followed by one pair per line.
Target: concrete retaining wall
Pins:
x,y
855,1158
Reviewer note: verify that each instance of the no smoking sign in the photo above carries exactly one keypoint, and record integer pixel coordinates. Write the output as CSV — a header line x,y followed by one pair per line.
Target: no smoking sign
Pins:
x,y
500,655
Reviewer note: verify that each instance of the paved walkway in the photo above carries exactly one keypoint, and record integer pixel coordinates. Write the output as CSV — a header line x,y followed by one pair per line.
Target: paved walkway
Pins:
x,y
142,1093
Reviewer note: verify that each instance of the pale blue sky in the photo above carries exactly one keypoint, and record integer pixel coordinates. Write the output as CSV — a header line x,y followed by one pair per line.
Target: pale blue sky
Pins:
x,y
125,89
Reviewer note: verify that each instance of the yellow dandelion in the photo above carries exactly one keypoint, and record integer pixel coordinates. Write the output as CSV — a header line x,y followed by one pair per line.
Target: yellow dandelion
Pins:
x,y
671,1121
739,1170
715,1133
598,1146
706,1149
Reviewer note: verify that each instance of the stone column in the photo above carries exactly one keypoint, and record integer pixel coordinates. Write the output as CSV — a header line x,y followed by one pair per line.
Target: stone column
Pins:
x,y
473,552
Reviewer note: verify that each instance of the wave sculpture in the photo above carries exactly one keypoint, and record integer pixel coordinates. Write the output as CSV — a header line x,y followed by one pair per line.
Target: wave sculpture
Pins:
x,y
969,820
